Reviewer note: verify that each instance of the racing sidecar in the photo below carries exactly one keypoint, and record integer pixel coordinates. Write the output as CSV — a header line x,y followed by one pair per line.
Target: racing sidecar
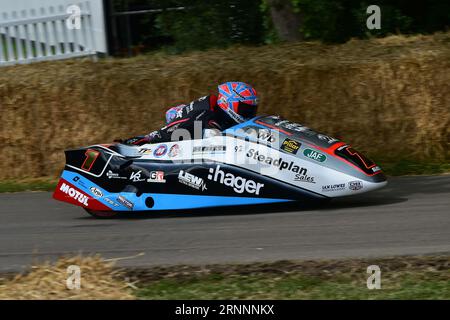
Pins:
x,y
264,160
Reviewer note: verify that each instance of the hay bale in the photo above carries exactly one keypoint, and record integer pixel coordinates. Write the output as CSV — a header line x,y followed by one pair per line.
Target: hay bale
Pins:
x,y
99,280
386,96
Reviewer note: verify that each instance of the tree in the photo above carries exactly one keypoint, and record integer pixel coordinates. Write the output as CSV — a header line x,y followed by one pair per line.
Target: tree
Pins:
x,y
286,20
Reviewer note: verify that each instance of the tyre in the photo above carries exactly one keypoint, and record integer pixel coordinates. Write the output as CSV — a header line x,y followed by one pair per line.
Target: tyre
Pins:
x,y
102,214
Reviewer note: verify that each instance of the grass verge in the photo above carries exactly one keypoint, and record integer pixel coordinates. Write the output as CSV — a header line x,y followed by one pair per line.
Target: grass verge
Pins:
x,y
44,184
406,277
410,286
401,278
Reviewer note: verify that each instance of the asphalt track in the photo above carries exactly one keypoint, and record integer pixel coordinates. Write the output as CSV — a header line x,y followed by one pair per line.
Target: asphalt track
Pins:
x,y
410,216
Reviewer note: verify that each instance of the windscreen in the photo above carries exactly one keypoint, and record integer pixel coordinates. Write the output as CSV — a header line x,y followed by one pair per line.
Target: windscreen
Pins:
x,y
358,159
297,131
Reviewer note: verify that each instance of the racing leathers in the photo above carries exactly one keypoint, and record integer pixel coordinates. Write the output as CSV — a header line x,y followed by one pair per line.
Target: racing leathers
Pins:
x,y
193,118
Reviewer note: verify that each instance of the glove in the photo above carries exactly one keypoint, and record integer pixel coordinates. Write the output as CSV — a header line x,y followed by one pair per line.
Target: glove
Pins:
x,y
214,125
140,140
174,112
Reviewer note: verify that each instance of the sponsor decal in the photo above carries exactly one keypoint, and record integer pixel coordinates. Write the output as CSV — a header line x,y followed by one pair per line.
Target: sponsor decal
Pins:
x,y
333,187
111,202
260,134
327,139
238,183
209,149
173,128
160,151
286,124
96,192
235,116
127,203
75,194
266,135
191,180
296,128
304,178
145,151
136,176
280,123
174,150
113,175
280,163
315,155
376,169
355,185
154,134
78,181
290,146
190,107
157,177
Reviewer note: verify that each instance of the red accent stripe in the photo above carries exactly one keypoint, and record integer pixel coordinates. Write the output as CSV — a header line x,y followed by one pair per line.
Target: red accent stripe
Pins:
x,y
333,148
176,122
358,168
137,143
329,150
359,156
212,102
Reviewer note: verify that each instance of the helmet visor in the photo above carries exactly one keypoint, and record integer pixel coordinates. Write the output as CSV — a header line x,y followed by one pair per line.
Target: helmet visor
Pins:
x,y
246,110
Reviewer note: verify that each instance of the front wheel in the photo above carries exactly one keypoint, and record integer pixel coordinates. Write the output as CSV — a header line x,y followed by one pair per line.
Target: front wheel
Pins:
x,y
102,214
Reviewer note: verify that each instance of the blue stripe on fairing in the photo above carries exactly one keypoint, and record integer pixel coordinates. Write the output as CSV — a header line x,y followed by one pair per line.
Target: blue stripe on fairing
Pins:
x,y
183,201
244,124
162,201
85,184
234,130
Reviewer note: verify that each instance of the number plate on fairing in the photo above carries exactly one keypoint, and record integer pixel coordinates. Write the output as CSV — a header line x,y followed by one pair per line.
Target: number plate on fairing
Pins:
x,y
91,161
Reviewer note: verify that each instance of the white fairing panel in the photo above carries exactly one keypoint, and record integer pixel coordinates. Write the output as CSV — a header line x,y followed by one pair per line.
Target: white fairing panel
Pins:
x,y
262,159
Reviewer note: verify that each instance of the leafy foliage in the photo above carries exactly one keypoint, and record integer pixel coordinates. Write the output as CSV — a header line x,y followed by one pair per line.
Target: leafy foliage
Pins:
x,y
340,20
203,24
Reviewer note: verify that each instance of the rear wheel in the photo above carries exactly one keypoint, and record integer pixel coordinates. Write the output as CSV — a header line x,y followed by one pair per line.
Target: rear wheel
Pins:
x,y
102,214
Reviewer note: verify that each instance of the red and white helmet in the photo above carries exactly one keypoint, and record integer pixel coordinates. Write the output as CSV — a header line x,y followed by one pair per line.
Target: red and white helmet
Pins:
x,y
238,100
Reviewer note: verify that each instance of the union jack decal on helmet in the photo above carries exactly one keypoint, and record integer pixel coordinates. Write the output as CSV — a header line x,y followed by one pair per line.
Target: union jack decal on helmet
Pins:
x,y
238,100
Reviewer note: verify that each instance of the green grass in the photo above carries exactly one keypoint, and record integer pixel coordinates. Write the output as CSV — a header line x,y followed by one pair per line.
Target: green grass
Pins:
x,y
421,283
295,287
33,185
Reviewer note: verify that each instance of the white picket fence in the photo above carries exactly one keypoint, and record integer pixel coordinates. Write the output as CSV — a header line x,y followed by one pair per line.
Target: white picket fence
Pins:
x,y
39,35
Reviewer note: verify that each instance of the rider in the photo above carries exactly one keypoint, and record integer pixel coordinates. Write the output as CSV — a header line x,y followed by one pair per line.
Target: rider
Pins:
x,y
236,103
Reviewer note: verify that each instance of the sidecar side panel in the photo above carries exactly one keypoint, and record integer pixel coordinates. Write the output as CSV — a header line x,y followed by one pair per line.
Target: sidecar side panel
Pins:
x,y
96,198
